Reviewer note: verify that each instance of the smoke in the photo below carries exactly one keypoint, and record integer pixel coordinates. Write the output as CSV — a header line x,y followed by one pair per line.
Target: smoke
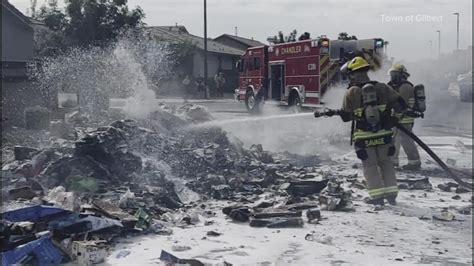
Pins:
x,y
127,68
279,130
445,112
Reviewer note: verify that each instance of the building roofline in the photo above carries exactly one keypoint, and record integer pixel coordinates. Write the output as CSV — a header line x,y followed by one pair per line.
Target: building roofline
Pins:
x,y
183,37
239,39
8,6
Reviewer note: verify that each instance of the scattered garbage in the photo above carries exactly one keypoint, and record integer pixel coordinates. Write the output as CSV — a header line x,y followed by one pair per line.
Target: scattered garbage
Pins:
x,y
466,210
313,215
122,253
320,238
144,219
415,183
41,251
451,162
238,214
24,192
67,200
170,259
213,233
444,215
277,222
306,187
24,153
179,248
335,197
89,252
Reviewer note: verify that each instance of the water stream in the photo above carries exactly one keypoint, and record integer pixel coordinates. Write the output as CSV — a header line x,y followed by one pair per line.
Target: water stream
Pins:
x,y
249,119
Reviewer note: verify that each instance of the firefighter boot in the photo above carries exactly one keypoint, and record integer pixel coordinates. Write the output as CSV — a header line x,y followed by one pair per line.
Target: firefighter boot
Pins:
x,y
412,167
392,199
376,201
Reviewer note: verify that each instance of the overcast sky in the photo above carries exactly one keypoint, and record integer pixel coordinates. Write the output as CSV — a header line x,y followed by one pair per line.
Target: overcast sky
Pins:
x,y
407,24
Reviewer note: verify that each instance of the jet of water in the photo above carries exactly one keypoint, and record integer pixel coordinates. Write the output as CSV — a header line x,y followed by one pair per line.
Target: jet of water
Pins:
x,y
248,119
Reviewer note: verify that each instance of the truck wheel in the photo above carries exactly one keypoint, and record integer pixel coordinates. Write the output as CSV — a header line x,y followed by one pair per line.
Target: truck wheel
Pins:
x,y
251,102
295,102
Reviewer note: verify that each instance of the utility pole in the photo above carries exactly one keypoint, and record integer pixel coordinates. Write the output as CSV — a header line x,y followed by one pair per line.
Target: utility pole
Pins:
x,y
235,31
457,31
439,43
205,50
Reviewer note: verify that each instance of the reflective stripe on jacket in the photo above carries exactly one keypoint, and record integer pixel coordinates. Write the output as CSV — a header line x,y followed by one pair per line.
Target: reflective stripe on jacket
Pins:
x,y
407,119
360,134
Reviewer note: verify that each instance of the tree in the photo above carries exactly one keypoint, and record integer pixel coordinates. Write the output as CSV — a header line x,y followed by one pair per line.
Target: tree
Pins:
x,y
292,36
304,36
88,22
99,21
281,38
51,16
344,36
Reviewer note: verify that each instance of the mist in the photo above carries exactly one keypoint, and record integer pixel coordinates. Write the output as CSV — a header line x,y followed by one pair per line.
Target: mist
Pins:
x,y
278,129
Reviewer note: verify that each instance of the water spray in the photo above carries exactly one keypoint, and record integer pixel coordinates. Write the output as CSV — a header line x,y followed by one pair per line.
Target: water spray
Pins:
x,y
248,120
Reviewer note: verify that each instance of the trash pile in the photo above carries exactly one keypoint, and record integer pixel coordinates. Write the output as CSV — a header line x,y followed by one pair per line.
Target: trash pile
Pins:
x,y
71,201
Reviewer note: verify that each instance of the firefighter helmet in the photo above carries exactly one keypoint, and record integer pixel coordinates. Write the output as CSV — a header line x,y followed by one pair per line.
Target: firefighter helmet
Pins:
x,y
356,63
399,68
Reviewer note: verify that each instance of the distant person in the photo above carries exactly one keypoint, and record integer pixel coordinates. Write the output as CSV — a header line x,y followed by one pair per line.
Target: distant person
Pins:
x,y
399,82
186,85
201,86
219,79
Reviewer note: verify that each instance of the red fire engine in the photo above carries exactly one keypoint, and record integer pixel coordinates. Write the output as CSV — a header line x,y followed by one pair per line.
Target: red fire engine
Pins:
x,y
295,74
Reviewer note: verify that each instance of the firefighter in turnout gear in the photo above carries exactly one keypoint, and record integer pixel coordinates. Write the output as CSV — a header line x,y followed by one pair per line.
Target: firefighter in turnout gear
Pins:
x,y
369,104
398,81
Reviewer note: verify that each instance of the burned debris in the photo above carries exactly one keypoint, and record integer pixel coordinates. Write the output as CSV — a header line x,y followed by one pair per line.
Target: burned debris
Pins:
x,y
132,177
74,199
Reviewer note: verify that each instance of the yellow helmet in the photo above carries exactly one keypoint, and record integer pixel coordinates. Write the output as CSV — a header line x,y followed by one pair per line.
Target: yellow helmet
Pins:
x,y
399,68
356,63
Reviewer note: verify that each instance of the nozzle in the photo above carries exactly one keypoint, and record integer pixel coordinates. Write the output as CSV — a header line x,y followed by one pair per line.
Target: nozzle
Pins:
x,y
326,112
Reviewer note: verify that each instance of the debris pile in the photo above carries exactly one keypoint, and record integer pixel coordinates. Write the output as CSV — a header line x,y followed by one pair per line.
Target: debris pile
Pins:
x,y
129,177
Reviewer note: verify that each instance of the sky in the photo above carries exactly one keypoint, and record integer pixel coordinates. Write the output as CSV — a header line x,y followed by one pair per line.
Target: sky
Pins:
x,y
409,25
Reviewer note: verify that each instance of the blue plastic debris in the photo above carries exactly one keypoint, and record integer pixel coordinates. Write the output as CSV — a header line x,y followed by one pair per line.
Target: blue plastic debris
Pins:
x,y
42,250
32,214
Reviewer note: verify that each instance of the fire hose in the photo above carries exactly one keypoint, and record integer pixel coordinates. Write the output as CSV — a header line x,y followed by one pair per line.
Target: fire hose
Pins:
x,y
449,171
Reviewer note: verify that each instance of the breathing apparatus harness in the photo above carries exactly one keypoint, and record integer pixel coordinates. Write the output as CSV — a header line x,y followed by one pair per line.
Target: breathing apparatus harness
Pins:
x,y
419,106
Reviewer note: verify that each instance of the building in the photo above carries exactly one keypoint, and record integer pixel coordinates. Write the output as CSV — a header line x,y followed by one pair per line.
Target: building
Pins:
x,y
220,57
17,42
237,42
18,91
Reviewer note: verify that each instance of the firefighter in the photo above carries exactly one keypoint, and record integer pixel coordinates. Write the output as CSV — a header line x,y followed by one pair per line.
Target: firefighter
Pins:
x,y
398,81
201,86
368,104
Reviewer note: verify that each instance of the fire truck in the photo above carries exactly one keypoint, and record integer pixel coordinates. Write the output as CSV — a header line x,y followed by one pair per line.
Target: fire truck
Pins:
x,y
293,74
289,73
